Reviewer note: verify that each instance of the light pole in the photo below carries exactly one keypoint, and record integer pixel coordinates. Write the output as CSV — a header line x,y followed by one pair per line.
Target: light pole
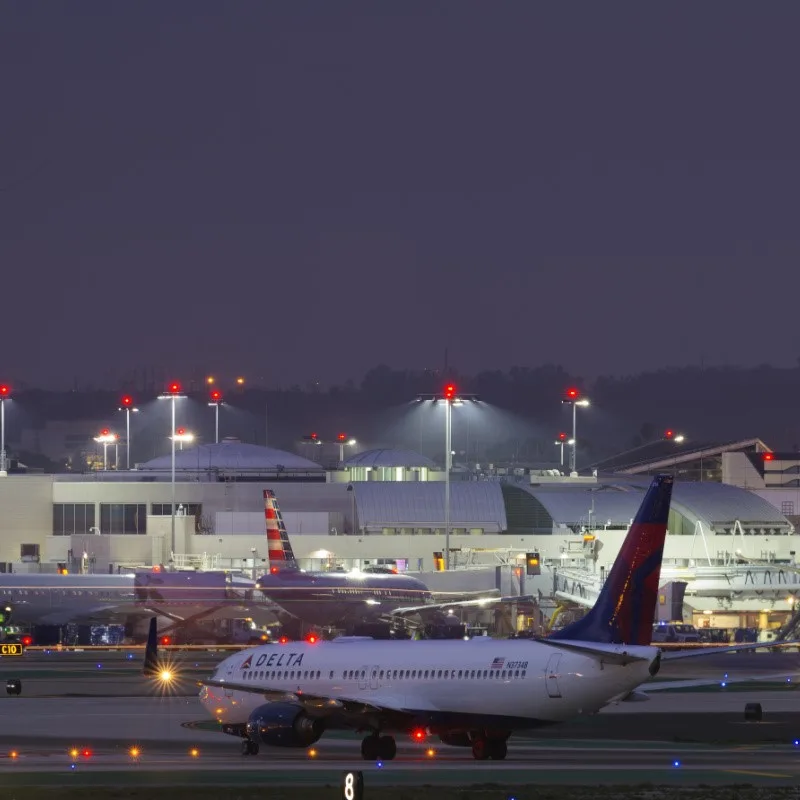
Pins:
x,y
173,393
5,393
181,436
216,401
573,398
451,398
344,441
106,438
126,405
562,437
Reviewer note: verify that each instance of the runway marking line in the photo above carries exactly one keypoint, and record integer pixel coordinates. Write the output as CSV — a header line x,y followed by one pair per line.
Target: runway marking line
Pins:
x,y
758,774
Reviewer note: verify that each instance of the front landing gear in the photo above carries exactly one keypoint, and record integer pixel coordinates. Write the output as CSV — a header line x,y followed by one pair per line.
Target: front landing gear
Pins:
x,y
378,748
496,749
249,748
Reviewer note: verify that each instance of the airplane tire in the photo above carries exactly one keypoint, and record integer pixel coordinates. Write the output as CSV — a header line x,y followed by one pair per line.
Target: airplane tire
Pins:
x,y
480,749
249,748
369,748
498,750
387,748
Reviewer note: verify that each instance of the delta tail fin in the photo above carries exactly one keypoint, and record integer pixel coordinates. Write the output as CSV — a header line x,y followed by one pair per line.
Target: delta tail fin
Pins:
x,y
625,609
151,666
279,548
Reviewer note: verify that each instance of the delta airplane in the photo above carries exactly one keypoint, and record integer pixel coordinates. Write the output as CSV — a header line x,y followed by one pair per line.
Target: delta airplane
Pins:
x,y
340,599
470,693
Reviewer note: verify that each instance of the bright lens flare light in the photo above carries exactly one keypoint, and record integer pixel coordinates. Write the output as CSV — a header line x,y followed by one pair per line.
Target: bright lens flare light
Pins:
x,y
312,753
13,754
431,752
165,676
134,752
194,752
74,752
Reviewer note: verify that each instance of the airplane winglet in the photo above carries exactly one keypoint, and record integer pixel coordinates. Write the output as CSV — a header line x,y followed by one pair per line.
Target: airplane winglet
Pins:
x,y
150,666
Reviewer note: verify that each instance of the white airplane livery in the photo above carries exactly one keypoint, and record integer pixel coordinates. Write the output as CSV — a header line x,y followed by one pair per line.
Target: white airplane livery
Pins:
x,y
468,693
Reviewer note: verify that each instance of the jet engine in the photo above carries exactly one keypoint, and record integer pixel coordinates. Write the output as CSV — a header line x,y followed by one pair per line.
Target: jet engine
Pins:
x,y
283,725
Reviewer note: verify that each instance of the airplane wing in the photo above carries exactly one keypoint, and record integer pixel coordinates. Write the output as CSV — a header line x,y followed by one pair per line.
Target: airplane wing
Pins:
x,y
672,655
320,704
664,686
478,602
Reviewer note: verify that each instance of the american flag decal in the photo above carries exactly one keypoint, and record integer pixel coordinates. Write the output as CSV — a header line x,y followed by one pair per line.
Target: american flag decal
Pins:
x,y
497,663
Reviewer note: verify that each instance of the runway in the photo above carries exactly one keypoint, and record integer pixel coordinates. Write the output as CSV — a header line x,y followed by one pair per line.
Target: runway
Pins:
x,y
81,717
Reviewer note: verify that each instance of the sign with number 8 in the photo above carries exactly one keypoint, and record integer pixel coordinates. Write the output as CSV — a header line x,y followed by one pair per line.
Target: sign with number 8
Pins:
x,y
353,786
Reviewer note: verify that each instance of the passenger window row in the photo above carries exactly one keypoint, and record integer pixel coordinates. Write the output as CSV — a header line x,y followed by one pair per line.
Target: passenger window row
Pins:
x,y
401,674
283,674
428,674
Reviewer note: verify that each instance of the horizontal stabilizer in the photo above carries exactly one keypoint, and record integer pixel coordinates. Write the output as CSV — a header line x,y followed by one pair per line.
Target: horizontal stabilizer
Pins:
x,y
622,658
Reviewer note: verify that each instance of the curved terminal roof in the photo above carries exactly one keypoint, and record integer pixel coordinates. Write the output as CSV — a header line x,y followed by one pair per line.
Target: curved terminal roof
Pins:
x,y
389,457
231,455
420,504
715,505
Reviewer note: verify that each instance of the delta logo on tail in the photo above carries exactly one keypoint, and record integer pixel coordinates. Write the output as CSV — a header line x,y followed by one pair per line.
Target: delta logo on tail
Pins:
x,y
625,610
279,548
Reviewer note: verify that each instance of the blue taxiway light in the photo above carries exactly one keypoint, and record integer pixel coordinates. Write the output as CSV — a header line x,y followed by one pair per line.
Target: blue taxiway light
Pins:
x,y
676,763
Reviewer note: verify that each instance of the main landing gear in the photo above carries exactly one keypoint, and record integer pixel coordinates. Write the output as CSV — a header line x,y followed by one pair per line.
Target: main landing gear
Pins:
x,y
496,749
378,748
249,747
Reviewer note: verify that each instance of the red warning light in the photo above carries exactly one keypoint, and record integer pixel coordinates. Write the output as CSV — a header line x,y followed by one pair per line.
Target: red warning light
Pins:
x,y
341,437
26,640
5,390
174,387
283,640
562,437
273,570
311,638
166,641
769,456
86,752
104,432
216,395
418,734
127,401
449,391
313,435
181,431
572,393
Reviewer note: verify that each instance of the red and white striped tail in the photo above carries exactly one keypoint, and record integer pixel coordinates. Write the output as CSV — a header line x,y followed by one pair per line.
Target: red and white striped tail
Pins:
x,y
279,548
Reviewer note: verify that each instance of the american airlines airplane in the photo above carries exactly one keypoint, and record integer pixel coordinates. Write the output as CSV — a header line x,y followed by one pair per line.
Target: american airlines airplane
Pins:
x,y
340,599
470,693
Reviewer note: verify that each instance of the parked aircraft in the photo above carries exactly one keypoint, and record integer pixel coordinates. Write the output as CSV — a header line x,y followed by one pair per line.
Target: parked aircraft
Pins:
x,y
470,693
340,599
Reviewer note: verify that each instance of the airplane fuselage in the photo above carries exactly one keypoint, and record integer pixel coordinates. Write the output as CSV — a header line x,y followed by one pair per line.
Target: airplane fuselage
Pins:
x,y
444,685
341,598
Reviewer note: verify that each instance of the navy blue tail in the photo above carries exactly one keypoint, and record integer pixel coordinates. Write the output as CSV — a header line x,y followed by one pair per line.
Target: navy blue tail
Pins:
x,y
625,610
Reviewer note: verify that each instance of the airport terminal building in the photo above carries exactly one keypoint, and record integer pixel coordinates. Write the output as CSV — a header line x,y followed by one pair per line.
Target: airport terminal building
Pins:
x,y
384,506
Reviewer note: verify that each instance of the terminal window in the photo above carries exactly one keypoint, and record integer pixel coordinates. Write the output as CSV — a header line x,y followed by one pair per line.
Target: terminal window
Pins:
x,y
123,518
787,508
69,518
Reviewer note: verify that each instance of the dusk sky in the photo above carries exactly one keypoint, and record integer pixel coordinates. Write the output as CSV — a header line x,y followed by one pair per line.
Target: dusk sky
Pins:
x,y
298,190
